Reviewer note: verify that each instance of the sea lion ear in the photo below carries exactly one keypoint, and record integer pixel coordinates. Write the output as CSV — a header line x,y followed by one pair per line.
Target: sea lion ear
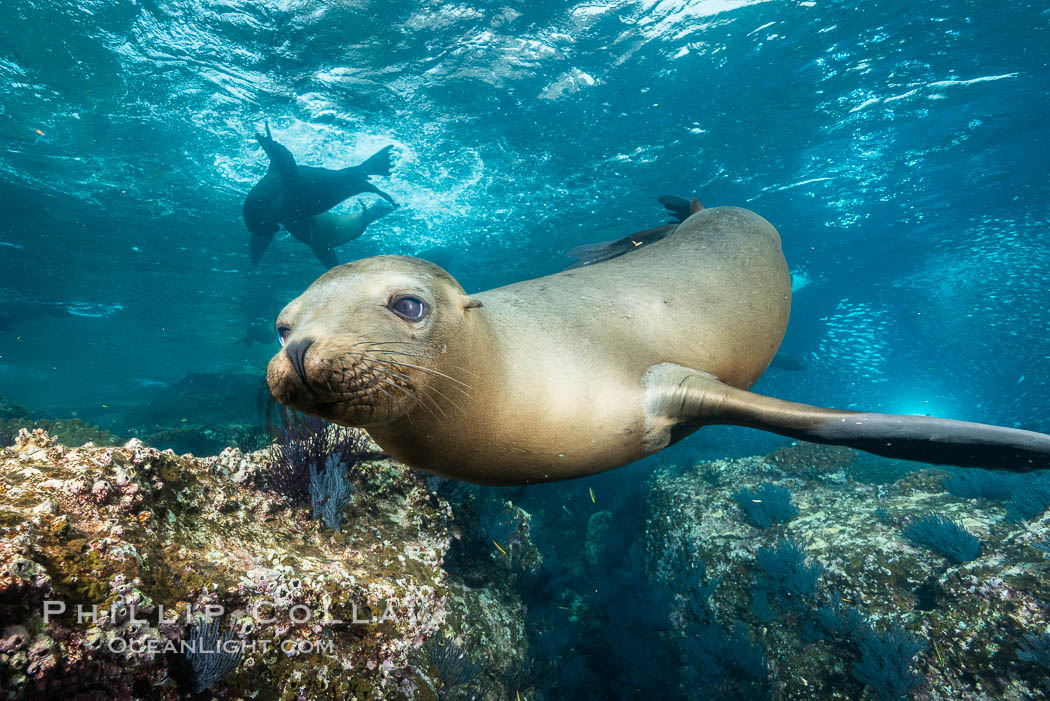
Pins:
x,y
472,303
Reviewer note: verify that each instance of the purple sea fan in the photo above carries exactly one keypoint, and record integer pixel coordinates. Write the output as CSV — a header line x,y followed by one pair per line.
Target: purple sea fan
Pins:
x,y
306,444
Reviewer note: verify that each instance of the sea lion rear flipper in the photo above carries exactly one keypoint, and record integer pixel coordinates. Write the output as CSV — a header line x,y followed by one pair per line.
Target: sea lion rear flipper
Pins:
x,y
680,400
377,164
281,159
679,207
369,187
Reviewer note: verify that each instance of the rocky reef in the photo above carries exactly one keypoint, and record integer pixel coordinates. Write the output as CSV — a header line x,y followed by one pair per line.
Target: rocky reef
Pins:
x,y
935,586
204,413
71,431
112,559
319,569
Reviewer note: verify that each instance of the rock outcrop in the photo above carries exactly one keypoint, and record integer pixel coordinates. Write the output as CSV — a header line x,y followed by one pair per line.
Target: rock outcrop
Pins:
x,y
147,546
970,619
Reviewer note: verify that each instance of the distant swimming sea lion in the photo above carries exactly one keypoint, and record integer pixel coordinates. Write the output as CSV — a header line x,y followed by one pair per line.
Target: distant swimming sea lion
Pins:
x,y
298,197
258,331
584,370
330,229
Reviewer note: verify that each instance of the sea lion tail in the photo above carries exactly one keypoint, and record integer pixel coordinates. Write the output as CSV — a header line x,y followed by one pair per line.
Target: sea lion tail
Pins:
x,y
700,399
378,163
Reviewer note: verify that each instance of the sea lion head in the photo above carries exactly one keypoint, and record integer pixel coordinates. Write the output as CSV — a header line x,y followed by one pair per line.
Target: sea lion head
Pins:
x,y
368,342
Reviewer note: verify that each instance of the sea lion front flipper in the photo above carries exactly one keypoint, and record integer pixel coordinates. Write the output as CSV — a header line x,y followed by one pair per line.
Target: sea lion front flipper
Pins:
x,y
589,253
316,232
257,246
325,254
281,159
680,400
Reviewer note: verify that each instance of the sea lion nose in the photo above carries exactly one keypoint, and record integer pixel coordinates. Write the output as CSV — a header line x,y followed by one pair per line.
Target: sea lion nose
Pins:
x,y
296,351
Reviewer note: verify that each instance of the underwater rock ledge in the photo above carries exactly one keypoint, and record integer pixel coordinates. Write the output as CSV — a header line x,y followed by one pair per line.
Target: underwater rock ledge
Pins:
x,y
323,614
839,624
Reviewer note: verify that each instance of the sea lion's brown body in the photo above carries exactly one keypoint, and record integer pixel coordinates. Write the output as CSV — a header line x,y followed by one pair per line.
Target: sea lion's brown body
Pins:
x,y
559,392
580,371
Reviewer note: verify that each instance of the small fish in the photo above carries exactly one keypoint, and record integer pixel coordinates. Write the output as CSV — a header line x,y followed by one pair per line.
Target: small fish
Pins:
x,y
499,548
566,509
40,133
591,490
105,406
183,420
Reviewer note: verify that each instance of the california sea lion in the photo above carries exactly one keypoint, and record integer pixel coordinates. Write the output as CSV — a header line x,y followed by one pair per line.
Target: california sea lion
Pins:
x,y
584,370
293,195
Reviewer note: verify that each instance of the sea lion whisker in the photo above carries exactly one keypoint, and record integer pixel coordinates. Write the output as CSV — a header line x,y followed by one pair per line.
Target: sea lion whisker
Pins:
x,y
382,343
375,348
390,403
421,357
370,374
423,369
408,379
419,398
463,391
386,361
434,389
397,352
373,378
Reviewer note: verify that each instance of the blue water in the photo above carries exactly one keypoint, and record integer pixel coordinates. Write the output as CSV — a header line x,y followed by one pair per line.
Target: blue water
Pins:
x,y
902,152
901,149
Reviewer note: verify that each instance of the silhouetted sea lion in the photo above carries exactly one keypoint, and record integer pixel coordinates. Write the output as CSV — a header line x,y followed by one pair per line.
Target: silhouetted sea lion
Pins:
x,y
329,230
291,195
584,370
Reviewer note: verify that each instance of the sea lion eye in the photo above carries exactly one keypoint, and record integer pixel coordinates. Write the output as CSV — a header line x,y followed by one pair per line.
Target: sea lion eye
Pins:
x,y
408,307
282,333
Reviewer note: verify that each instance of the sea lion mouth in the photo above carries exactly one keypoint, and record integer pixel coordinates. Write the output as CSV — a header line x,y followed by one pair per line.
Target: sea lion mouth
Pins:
x,y
357,385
